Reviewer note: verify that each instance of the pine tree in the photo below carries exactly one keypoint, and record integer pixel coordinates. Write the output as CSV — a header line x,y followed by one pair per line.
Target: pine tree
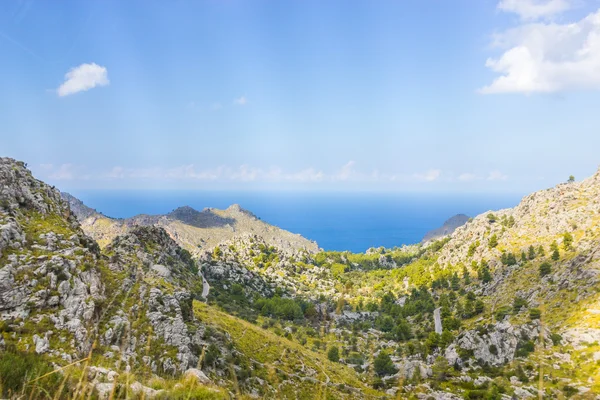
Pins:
x,y
493,242
555,255
531,252
541,251
466,276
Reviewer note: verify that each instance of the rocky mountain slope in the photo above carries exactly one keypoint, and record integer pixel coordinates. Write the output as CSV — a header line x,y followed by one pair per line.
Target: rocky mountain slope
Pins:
x,y
194,230
505,307
447,228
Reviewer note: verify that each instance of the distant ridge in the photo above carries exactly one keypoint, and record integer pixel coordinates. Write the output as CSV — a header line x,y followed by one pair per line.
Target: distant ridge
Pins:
x,y
193,230
447,228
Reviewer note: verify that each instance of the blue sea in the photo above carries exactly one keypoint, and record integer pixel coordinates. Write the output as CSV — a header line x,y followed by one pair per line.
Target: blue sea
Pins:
x,y
337,221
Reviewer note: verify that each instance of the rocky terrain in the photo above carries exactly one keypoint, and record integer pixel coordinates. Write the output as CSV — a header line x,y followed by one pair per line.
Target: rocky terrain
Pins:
x,y
193,230
217,304
447,228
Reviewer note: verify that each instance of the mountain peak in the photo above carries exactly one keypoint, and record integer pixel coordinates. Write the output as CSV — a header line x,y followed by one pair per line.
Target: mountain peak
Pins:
x,y
447,228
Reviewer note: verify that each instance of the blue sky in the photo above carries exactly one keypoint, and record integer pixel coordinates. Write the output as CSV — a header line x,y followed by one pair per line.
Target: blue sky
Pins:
x,y
457,95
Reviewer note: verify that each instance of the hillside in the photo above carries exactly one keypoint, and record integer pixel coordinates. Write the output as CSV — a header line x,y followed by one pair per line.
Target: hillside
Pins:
x,y
447,228
191,229
504,307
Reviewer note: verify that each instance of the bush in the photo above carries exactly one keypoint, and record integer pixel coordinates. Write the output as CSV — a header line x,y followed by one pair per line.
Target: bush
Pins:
x,y
383,364
493,242
502,312
535,313
333,354
519,303
18,367
545,268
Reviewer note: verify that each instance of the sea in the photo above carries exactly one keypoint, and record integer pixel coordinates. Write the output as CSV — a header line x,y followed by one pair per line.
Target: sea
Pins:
x,y
336,221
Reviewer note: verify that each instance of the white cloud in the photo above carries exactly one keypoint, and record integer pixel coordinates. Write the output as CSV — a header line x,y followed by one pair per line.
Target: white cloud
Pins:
x,y
63,172
240,101
496,176
467,177
546,57
534,9
82,78
429,176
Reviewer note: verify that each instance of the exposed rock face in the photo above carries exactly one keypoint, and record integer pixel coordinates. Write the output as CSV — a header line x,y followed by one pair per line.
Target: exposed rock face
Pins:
x,y
60,294
496,345
447,228
249,260
196,231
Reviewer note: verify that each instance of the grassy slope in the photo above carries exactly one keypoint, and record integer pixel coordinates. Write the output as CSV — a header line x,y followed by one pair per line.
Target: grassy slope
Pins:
x,y
287,360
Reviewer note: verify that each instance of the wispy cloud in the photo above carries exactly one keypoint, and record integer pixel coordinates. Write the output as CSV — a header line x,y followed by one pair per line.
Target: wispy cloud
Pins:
x,y
240,101
467,177
496,176
347,174
429,176
83,77
64,172
534,9
545,56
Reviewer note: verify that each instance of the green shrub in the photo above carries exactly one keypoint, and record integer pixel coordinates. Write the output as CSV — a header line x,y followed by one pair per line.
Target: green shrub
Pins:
x,y
17,368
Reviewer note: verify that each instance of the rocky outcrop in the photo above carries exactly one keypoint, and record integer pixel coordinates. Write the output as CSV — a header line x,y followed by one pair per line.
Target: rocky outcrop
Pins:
x,y
447,228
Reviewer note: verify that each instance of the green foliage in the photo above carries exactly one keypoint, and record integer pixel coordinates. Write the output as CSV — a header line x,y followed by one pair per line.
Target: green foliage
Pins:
x,y
217,252
571,179
508,258
531,252
333,354
541,251
402,331
288,309
491,218
535,313
483,273
472,248
518,304
493,242
211,355
17,368
383,364
567,241
502,312
440,369
545,268
524,347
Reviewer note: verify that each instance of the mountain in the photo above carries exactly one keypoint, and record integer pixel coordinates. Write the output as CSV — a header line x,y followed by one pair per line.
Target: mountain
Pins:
x,y
194,230
447,228
504,307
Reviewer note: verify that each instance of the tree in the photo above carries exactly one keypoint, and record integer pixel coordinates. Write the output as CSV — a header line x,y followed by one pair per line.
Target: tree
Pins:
x,y
466,275
455,282
523,257
555,255
485,274
545,268
402,331
440,369
493,242
217,252
492,218
541,251
478,307
531,252
383,364
571,179
333,354
567,240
